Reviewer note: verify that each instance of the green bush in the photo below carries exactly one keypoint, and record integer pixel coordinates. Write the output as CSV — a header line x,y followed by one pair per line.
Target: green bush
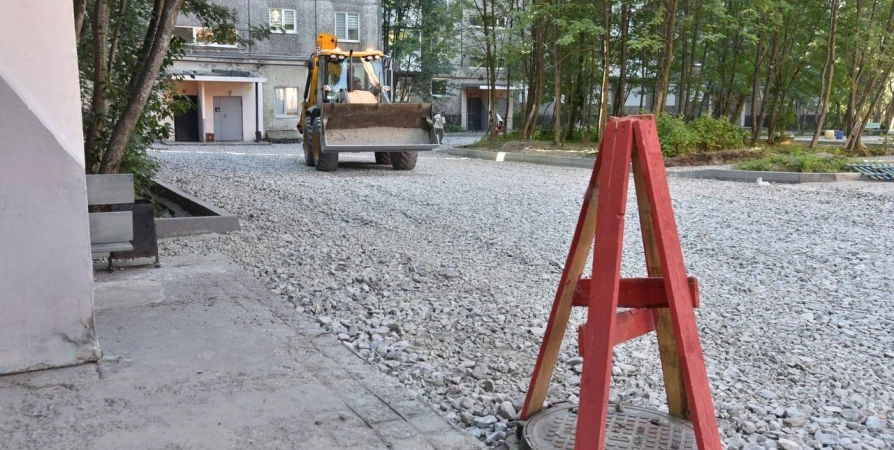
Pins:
x,y
452,128
713,135
676,138
798,162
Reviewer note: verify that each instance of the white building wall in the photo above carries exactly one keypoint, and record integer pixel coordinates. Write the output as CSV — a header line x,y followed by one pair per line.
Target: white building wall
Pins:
x,y
46,280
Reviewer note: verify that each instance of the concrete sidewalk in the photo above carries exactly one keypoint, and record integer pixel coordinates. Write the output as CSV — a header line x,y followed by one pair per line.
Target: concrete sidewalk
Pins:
x,y
199,355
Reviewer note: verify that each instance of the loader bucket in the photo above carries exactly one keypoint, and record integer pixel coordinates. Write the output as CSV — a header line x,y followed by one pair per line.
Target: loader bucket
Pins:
x,y
377,127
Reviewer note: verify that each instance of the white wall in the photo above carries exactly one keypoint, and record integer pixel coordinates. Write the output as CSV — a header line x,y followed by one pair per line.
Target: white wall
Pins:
x,y
40,63
46,279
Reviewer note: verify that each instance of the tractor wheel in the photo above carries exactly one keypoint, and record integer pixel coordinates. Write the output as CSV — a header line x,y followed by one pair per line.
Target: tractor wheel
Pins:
x,y
308,144
325,162
404,160
383,158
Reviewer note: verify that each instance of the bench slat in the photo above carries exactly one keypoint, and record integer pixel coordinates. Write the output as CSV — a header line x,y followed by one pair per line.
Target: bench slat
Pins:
x,y
110,189
111,227
105,249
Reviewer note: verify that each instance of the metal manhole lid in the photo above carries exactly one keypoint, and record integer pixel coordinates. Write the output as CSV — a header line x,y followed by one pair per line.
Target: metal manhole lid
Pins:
x,y
632,429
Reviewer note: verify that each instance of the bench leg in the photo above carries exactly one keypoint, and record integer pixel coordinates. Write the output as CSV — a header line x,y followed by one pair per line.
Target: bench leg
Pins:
x,y
157,262
110,264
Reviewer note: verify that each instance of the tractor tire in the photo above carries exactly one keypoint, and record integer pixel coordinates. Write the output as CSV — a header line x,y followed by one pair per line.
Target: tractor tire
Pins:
x,y
404,160
308,144
383,158
325,162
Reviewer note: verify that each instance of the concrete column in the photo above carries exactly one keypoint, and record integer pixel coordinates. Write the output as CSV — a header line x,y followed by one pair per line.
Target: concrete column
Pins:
x,y
202,110
259,95
509,101
46,276
463,110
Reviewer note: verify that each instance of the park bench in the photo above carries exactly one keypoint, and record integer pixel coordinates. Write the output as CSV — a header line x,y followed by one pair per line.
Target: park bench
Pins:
x,y
873,128
875,171
110,231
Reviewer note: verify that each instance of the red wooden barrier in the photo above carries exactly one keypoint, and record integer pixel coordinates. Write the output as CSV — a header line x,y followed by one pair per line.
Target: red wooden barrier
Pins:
x,y
664,302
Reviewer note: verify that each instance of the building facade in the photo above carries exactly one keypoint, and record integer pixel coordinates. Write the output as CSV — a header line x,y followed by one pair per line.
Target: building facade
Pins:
x,y
245,92
463,93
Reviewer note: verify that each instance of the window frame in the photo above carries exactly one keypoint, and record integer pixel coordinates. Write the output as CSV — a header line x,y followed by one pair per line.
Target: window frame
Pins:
x,y
347,32
281,29
431,89
500,23
196,43
285,114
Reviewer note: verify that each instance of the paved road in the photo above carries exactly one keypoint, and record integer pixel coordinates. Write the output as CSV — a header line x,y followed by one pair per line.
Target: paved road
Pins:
x,y
444,277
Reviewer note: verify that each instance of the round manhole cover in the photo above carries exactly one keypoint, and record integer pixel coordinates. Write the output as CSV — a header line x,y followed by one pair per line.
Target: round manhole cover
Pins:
x,y
631,429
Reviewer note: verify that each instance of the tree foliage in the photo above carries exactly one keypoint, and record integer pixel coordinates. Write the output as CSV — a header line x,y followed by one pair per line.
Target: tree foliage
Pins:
x,y
420,36
124,47
773,60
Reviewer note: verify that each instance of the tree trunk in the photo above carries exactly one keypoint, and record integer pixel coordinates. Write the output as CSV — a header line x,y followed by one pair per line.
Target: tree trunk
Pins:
x,y
888,116
740,106
755,88
606,68
667,54
620,93
828,73
80,11
535,80
98,107
588,118
121,135
557,108
116,35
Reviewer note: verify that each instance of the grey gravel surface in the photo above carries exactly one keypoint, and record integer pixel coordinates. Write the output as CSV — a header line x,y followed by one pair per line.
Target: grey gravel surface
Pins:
x,y
444,276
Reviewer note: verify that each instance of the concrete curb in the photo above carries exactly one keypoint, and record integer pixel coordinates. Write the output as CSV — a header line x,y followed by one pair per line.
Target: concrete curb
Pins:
x,y
584,163
206,218
711,174
751,176
164,144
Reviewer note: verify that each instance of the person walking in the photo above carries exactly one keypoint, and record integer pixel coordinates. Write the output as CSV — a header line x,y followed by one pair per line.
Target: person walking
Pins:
x,y
440,120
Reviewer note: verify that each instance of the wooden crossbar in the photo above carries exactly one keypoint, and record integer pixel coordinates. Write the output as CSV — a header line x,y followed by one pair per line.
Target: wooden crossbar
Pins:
x,y
635,293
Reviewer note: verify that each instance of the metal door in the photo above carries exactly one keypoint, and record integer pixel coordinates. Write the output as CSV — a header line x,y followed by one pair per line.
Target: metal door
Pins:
x,y
227,118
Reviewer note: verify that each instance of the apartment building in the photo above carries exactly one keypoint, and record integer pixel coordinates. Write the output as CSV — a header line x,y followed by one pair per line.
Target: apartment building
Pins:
x,y
248,92
463,93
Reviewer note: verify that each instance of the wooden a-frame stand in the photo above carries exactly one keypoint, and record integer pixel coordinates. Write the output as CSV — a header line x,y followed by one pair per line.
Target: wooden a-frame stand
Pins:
x,y
663,302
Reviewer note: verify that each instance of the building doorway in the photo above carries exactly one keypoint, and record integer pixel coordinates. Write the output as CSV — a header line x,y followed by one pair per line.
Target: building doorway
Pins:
x,y
227,119
474,117
186,125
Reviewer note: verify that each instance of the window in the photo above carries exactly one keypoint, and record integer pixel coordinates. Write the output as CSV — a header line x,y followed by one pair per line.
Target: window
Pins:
x,y
439,88
347,27
283,21
285,102
205,37
494,22
479,62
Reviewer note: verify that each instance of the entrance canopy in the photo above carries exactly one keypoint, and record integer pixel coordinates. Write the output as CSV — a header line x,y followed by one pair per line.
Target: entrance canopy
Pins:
x,y
238,76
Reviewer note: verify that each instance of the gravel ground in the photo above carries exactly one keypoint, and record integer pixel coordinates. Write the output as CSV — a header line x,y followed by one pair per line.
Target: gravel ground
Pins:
x,y
444,277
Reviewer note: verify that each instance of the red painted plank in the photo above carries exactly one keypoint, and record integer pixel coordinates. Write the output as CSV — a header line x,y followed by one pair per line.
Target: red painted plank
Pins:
x,y
629,324
689,348
561,310
636,293
632,324
596,377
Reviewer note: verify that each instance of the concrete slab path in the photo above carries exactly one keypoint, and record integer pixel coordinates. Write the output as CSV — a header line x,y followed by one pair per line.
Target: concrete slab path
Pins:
x,y
199,355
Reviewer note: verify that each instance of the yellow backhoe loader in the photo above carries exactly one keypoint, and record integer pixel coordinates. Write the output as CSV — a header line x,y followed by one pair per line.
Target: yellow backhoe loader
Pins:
x,y
347,108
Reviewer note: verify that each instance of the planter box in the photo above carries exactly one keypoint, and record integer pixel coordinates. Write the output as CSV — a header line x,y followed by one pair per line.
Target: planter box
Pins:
x,y
200,217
